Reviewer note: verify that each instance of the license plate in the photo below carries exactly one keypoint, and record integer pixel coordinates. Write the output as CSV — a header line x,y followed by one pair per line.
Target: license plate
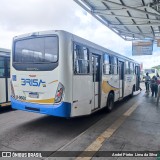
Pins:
x,y
33,95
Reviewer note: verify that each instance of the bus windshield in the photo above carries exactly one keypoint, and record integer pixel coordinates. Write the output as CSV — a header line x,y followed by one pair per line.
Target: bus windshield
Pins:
x,y
150,71
36,50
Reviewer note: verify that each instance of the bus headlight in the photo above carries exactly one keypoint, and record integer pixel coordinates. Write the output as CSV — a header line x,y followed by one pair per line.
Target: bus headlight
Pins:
x,y
59,93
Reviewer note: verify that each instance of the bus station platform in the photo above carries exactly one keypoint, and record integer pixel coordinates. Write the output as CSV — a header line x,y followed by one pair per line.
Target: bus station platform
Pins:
x,y
134,125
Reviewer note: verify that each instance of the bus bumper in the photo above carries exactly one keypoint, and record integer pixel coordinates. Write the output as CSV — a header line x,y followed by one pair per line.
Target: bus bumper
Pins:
x,y
61,110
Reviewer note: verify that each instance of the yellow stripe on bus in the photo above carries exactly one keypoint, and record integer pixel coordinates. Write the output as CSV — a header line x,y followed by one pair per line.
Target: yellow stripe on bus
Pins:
x,y
43,101
53,81
106,87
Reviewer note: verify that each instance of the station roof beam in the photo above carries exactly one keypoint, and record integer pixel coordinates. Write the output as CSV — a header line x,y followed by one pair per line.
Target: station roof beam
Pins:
x,y
138,19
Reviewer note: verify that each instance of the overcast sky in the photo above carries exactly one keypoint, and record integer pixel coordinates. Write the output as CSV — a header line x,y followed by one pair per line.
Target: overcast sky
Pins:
x,y
19,17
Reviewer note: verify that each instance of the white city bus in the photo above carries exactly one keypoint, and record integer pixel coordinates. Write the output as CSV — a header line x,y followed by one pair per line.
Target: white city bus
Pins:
x,y
4,77
60,74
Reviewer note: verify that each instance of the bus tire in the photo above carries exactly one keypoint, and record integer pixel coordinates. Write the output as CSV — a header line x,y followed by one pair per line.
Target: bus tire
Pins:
x,y
133,89
110,102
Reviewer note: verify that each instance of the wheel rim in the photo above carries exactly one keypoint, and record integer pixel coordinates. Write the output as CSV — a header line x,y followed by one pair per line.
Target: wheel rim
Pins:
x,y
110,103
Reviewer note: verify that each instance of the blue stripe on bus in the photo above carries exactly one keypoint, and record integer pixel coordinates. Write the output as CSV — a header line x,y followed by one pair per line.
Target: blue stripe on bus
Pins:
x,y
61,110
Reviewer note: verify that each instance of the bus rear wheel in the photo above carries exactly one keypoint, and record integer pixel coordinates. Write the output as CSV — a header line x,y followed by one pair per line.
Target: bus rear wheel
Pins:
x,y
110,102
133,89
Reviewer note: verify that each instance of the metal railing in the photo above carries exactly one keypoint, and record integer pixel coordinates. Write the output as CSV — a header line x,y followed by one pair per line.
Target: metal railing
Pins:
x,y
158,95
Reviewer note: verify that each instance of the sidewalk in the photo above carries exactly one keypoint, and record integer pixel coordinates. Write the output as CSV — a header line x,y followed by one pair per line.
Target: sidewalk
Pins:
x,y
139,131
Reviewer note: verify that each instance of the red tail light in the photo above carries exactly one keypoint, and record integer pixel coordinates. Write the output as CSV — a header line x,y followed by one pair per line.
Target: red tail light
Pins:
x,y
59,93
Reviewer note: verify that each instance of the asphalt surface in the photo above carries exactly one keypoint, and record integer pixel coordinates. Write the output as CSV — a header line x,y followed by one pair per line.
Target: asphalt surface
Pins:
x,y
21,130
27,131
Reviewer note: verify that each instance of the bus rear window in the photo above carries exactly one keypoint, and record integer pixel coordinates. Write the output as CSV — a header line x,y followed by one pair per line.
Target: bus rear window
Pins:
x,y
36,50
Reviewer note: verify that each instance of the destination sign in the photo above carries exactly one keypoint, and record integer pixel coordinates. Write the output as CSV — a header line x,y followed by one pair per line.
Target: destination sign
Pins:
x,y
142,48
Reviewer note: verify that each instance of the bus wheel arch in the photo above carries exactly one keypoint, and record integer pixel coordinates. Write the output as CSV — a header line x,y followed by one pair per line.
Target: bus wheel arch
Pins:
x,y
110,101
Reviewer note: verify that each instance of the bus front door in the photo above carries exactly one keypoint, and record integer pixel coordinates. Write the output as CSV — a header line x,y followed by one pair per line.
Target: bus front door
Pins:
x,y
121,79
96,81
137,72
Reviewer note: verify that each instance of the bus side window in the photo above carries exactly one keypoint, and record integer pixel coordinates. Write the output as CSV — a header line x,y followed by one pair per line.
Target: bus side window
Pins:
x,y
81,60
114,65
106,64
8,68
127,70
131,68
2,67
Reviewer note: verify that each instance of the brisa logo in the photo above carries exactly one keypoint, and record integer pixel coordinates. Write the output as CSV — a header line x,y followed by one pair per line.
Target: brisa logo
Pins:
x,y
33,82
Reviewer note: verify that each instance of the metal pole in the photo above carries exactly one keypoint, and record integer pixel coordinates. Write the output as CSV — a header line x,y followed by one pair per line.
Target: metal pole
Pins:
x,y
158,95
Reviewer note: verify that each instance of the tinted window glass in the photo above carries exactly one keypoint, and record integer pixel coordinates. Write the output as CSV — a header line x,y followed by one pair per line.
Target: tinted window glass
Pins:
x,y
2,67
106,58
81,60
8,67
106,64
81,53
131,68
36,50
114,65
127,67
2,62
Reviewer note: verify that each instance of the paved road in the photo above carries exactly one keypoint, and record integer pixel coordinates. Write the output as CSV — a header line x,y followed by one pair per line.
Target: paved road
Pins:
x,y
20,131
30,131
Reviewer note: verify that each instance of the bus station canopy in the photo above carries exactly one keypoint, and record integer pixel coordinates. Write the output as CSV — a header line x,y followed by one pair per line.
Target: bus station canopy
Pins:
x,y
130,19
